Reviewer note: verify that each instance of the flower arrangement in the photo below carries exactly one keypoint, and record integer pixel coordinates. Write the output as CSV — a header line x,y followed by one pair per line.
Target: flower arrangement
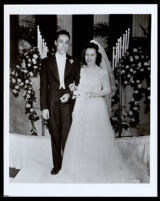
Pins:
x,y
26,67
135,72
71,61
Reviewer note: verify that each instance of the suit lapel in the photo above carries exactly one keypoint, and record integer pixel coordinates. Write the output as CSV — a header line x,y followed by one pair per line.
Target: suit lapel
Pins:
x,y
54,67
68,66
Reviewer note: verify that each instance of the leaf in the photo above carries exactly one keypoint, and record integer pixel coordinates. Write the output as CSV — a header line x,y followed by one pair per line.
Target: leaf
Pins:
x,y
144,30
101,29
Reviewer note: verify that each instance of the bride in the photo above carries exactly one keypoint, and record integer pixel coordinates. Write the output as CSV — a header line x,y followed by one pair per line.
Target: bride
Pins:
x,y
91,153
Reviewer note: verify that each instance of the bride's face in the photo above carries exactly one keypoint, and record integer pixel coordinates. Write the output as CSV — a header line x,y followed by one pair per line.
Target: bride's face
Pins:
x,y
90,56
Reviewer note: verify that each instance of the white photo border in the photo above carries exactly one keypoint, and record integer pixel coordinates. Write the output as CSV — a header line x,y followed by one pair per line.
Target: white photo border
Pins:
x,y
101,190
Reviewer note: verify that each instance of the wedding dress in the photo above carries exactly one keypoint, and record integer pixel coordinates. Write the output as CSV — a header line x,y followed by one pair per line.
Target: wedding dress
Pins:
x,y
91,153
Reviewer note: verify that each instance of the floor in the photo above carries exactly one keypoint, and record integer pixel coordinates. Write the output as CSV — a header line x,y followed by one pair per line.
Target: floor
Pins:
x,y
32,161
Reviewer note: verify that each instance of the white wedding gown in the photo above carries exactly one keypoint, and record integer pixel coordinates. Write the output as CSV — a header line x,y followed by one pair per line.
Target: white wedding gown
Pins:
x,y
91,153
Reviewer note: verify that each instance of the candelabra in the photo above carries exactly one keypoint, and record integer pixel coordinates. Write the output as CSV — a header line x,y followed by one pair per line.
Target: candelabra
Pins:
x,y
43,50
41,44
121,48
118,52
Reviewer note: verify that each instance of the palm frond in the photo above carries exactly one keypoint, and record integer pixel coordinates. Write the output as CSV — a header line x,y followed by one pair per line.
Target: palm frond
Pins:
x,y
145,31
29,22
101,29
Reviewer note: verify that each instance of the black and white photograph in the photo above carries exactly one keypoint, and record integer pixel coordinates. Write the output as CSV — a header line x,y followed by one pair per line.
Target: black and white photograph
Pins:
x,y
80,100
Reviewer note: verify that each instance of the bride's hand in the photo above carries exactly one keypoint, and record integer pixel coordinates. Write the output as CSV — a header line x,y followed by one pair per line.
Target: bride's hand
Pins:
x,y
76,93
94,94
90,94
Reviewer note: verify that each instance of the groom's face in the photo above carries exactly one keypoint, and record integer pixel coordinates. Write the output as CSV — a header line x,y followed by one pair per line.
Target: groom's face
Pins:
x,y
62,44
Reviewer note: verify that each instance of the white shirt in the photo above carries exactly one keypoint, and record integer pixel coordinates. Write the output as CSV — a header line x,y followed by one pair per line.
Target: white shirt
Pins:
x,y
61,63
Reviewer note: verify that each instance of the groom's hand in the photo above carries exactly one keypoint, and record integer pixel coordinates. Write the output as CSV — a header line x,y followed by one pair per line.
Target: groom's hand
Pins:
x,y
65,98
72,87
45,114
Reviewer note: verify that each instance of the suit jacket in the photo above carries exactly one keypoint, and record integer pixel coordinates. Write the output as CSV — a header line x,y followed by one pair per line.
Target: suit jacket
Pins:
x,y
49,79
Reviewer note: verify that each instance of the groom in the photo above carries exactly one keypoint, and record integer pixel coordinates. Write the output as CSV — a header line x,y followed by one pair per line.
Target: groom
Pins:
x,y
58,73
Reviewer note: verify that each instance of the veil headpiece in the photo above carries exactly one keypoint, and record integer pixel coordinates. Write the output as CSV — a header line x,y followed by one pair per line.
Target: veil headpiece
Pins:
x,y
105,64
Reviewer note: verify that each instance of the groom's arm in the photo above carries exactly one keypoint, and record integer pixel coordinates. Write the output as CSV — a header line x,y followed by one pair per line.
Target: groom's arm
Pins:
x,y
43,85
76,78
77,72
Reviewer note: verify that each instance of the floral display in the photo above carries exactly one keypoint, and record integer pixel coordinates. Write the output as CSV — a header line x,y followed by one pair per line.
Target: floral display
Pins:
x,y
134,71
26,67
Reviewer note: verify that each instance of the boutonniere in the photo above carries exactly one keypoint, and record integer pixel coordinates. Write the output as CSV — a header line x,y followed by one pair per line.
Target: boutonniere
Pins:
x,y
71,61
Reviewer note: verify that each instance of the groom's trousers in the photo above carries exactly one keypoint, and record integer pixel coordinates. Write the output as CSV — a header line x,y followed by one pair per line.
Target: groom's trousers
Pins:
x,y
59,125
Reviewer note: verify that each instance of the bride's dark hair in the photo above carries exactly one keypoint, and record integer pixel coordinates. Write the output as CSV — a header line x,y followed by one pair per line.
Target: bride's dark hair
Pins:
x,y
93,46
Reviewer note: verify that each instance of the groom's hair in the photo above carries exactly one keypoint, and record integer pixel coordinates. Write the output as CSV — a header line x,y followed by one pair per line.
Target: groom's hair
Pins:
x,y
62,32
92,46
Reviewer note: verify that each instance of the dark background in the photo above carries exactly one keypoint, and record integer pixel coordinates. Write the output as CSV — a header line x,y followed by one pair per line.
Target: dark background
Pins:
x,y
82,31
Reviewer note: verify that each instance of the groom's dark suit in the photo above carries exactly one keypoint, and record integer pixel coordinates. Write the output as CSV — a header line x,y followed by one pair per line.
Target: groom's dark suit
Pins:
x,y
50,94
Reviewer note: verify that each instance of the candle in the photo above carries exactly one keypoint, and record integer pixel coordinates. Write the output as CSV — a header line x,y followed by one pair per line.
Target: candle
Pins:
x,y
126,33
40,43
128,36
44,53
123,44
45,45
38,33
44,49
113,58
116,55
37,36
41,46
120,44
119,48
118,51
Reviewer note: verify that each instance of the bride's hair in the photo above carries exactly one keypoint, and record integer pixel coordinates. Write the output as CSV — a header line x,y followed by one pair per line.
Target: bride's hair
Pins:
x,y
93,46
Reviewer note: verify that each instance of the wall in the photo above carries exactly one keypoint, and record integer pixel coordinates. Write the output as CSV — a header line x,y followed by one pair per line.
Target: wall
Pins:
x,y
139,20
101,18
65,22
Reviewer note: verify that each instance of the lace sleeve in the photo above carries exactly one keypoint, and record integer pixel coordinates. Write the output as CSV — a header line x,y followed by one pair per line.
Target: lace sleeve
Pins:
x,y
105,82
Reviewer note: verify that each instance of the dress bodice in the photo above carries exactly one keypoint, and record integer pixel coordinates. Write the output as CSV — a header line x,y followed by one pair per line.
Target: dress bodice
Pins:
x,y
91,79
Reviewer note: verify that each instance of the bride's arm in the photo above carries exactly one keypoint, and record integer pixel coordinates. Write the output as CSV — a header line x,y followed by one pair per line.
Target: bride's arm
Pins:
x,y
106,87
